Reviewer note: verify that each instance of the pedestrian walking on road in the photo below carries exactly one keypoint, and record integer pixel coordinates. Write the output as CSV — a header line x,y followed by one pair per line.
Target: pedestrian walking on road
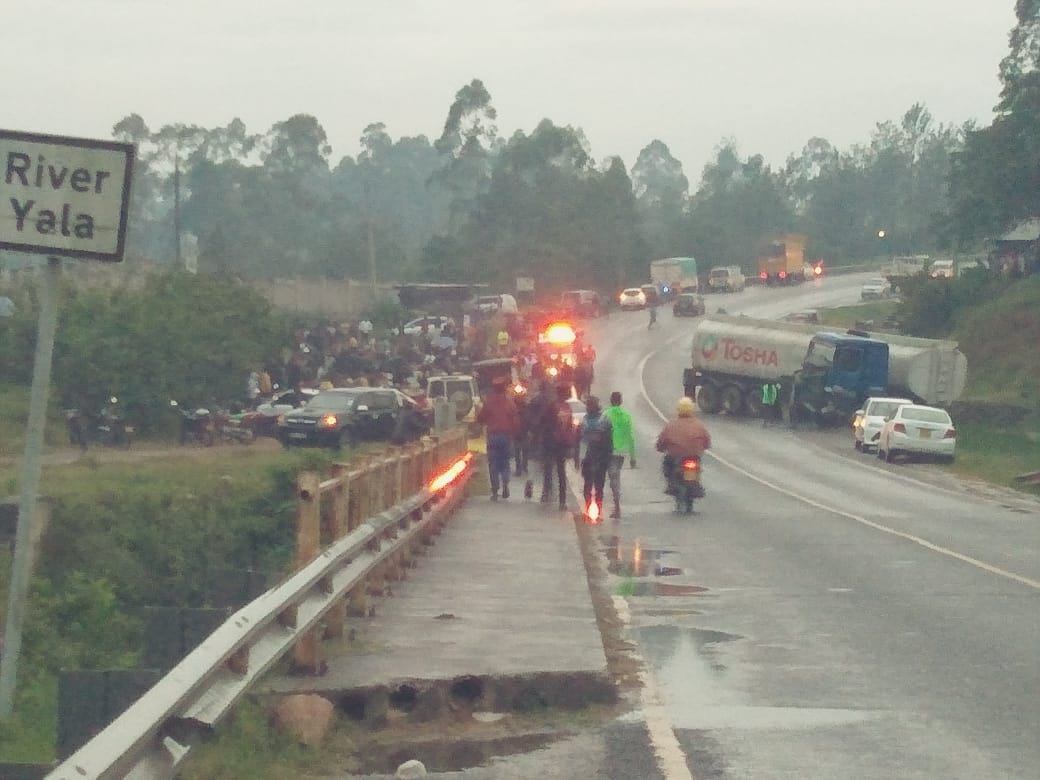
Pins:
x,y
558,437
596,439
502,420
624,444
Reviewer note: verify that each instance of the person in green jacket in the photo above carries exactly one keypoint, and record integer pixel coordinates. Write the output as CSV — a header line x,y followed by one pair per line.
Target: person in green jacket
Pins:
x,y
624,444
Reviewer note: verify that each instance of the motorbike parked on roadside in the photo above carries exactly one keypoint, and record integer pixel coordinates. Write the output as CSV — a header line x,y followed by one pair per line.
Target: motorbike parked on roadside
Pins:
x,y
108,427
196,425
234,426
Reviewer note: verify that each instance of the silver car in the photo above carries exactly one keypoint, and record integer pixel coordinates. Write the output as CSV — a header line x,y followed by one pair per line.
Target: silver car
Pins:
x,y
875,289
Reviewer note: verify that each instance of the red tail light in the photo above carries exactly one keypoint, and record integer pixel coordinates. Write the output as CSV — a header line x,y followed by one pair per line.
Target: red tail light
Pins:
x,y
783,274
899,428
690,465
951,433
763,275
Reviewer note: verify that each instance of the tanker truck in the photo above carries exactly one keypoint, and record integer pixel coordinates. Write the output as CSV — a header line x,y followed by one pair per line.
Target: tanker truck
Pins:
x,y
824,374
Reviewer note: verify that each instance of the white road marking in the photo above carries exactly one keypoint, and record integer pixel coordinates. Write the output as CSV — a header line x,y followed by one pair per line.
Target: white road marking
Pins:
x,y
857,518
670,756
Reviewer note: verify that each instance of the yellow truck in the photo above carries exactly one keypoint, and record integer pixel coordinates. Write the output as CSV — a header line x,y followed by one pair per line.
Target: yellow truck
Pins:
x,y
782,261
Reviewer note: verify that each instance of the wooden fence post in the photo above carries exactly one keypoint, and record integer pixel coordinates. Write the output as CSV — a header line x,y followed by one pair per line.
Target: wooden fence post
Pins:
x,y
335,618
307,651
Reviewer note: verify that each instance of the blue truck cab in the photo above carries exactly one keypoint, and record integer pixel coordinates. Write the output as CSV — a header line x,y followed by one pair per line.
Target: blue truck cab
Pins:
x,y
839,372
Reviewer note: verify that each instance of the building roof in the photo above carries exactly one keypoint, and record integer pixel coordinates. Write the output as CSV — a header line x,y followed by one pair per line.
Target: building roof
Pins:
x,y
1027,230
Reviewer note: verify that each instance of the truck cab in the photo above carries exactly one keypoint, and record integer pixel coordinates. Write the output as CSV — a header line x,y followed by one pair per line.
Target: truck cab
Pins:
x,y
839,371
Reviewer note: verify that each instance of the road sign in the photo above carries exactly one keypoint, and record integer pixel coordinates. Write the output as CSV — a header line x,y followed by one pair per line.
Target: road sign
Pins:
x,y
64,196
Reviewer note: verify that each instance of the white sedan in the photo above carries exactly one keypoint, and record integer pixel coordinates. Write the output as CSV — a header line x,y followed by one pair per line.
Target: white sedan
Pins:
x,y
918,429
866,427
875,289
632,298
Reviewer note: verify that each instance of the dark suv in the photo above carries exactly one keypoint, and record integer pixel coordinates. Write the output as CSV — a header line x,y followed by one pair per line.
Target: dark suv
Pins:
x,y
344,416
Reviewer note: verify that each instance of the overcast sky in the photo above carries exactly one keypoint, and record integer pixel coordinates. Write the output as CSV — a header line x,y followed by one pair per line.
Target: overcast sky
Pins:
x,y
769,73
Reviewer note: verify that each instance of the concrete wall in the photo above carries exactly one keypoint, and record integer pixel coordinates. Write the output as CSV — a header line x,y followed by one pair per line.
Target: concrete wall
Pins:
x,y
344,298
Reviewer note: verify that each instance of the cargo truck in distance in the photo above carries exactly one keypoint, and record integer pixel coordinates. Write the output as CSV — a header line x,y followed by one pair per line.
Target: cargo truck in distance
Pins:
x,y
782,261
674,275
823,375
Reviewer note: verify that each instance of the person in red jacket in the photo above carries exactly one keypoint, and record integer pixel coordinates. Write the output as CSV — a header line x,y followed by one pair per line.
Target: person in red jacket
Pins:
x,y
502,421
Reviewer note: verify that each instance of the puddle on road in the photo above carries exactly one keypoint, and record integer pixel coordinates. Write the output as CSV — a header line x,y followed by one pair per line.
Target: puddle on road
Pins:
x,y
692,672
631,559
449,756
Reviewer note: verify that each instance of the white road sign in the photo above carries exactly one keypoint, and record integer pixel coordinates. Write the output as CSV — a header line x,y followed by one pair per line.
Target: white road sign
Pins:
x,y
64,196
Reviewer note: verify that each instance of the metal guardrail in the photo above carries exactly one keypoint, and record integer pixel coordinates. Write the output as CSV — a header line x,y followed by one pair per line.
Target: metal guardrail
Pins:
x,y
153,737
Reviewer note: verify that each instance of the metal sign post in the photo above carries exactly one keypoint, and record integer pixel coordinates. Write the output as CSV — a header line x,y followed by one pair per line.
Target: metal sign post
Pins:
x,y
59,197
19,584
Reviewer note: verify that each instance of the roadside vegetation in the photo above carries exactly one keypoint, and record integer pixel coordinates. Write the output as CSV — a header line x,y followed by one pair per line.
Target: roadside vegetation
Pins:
x,y
124,536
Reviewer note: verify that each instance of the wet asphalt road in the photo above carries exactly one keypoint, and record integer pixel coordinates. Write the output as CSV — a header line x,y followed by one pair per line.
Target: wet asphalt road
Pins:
x,y
857,619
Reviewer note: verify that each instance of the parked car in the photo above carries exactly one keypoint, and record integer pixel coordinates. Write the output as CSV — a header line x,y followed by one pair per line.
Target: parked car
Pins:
x,y
866,425
728,278
347,415
463,392
875,289
942,269
489,304
652,293
918,429
632,298
810,316
432,323
581,303
688,305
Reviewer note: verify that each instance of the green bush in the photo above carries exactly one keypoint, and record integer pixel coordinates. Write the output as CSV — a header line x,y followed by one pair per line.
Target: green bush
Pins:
x,y
193,338
124,536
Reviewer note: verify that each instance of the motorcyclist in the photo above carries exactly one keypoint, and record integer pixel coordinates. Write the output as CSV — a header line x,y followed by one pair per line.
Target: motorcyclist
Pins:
x,y
683,437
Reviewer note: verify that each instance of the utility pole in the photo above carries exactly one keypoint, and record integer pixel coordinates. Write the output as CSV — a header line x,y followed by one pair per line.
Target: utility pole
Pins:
x,y
372,258
20,570
177,206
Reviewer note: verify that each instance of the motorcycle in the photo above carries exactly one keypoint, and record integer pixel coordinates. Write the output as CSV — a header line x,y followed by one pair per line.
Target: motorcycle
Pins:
x,y
234,427
684,483
197,426
108,428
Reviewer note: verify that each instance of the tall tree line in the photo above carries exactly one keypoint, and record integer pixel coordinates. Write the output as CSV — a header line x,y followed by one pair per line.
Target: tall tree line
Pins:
x,y
473,205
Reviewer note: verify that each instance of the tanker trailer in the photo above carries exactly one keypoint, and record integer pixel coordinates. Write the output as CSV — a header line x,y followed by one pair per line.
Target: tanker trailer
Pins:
x,y
823,374
930,371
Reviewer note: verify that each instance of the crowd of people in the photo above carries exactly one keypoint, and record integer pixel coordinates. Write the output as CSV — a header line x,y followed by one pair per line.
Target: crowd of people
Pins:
x,y
525,413
355,353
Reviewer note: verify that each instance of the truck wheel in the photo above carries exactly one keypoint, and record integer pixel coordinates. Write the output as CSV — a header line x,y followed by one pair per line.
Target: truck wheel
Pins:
x,y
708,398
732,400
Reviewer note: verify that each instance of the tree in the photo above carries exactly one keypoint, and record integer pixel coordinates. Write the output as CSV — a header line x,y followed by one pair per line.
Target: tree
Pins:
x,y
464,145
738,204
661,191
995,179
